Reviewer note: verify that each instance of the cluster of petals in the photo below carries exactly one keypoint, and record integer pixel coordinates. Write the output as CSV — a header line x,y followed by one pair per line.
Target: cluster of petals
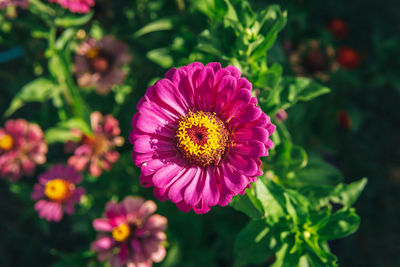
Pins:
x,y
22,147
131,235
197,89
96,152
19,3
76,6
99,63
57,193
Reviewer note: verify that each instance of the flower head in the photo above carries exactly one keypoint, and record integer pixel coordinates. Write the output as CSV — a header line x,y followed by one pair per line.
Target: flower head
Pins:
x,y
22,147
313,60
75,6
348,57
99,63
132,234
338,27
57,192
95,152
19,3
198,136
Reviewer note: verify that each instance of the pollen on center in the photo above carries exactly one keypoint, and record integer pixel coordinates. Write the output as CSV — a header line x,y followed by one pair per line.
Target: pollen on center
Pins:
x,y
202,138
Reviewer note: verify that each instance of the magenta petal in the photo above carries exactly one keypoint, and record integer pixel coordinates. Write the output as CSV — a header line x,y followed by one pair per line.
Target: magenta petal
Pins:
x,y
255,133
176,190
194,190
103,243
233,179
164,175
252,149
210,194
102,225
243,165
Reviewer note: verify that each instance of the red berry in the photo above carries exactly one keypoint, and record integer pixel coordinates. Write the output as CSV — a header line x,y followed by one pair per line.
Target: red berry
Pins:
x,y
344,119
348,58
338,27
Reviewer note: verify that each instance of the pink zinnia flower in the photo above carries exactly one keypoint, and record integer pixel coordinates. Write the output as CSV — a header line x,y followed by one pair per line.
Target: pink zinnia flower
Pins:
x,y
76,6
133,235
19,3
22,147
99,64
57,192
95,152
198,136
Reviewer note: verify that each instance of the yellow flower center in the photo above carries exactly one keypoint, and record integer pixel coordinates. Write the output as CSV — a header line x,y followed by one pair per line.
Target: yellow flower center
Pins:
x,y
93,53
121,232
58,189
6,142
202,138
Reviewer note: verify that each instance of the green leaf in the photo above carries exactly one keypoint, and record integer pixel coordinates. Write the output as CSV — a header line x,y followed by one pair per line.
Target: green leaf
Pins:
x,y
272,21
54,135
74,20
157,25
272,198
289,157
255,243
248,204
214,9
65,37
348,194
38,90
300,89
62,132
285,257
341,224
317,172
344,194
161,56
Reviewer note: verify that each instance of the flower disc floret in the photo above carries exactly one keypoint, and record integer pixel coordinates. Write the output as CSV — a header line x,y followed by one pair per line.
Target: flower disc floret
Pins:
x,y
121,232
6,142
58,190
202,138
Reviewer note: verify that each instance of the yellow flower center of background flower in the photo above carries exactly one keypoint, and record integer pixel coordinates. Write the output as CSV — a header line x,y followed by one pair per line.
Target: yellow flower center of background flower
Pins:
x,y
92,53
58,190
6,142
121,232
202,138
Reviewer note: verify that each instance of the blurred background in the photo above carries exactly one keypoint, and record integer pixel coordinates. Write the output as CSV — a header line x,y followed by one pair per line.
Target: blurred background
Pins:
x,y
352,47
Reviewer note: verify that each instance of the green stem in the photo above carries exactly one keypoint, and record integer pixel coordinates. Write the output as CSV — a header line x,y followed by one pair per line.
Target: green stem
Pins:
x,y
42,8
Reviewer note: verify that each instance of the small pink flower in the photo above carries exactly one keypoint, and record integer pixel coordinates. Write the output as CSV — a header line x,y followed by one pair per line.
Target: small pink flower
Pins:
x,y
19,3
57,192
75,6
99,64
281,115
198,136
22,147
95,152
132,234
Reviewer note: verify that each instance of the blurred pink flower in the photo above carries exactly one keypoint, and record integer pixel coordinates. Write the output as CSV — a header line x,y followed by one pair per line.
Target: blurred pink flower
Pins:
x,y
56,192
76,6
95,152
22,147
133,234
99,64
281,115
198,136
19,3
